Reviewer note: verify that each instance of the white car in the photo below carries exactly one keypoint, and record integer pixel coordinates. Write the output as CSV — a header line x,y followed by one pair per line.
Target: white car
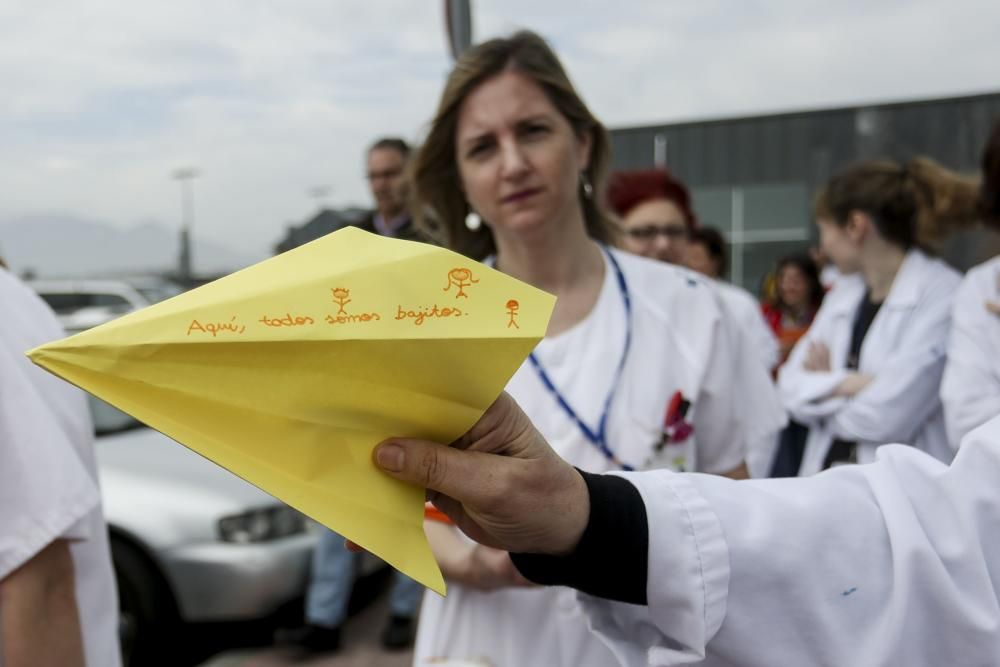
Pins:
x,y
68,296
191,542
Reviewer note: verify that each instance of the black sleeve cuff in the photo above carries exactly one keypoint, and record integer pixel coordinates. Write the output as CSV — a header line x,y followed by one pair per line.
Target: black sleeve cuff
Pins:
x,y
611,561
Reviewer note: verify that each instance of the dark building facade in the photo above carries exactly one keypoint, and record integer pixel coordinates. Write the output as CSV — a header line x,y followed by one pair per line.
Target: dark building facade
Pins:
x,y
325,221
753,177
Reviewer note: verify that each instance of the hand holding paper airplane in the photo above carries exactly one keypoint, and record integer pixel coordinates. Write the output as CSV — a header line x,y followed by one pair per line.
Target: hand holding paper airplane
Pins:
x,y
289,372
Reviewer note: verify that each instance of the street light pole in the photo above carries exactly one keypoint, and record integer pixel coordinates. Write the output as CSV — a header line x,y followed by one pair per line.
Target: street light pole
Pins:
x,y
186,176
458,26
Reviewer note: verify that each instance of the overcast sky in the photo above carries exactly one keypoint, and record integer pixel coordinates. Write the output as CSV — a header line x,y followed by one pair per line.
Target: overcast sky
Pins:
x,y
103,99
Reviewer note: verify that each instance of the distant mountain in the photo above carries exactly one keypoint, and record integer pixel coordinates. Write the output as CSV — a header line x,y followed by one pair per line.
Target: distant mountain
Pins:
x,y
60,245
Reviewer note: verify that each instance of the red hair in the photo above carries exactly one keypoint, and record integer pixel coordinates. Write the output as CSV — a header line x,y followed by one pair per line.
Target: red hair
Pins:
x,y
628,189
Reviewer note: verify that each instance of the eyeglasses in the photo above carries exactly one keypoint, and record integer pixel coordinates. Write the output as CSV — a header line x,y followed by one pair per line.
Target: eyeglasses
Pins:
x,y
649,232
388,174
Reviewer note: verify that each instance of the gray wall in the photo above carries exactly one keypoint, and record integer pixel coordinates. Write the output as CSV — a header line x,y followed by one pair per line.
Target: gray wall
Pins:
x,y
754,177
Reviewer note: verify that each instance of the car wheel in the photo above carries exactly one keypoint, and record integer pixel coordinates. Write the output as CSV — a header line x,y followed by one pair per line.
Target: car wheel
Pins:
x,y
147,612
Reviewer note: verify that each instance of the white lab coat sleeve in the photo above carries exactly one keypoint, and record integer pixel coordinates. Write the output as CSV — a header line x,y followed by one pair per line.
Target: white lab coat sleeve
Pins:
x,y
738,403
764,340
896,562
807,395
770,351
45,489
970,388
746,310
687,582
904,393
759,404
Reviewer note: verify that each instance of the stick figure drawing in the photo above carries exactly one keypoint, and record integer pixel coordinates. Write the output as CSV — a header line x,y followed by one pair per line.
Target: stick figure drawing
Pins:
x,y
460,278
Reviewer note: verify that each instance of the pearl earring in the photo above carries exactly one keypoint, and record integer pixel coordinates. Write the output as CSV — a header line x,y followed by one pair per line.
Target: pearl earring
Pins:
x,y
588,189
472,221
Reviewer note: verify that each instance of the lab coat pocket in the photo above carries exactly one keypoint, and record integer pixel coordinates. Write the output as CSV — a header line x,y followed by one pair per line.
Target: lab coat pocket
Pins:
x,y
653,442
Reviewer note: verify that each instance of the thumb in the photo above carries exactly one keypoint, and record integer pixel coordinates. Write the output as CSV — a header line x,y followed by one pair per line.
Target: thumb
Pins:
x,y
461,474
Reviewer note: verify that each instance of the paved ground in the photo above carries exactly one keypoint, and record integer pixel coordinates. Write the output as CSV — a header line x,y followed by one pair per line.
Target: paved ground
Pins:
x,y
360,647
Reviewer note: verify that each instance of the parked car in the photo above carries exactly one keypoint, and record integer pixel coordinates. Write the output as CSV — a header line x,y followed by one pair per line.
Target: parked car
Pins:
x,y
191,542
154,288
68,296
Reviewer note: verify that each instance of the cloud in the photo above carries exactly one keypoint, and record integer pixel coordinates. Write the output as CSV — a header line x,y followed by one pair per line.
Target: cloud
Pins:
x,y
104,99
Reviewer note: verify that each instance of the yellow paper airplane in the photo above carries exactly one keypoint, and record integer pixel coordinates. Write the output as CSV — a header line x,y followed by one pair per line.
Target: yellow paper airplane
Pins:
x,y
289,372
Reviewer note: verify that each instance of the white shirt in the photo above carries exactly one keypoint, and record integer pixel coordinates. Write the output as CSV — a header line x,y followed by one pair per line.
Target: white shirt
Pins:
x,y
905,352
681,342
893,563
970,389
48,475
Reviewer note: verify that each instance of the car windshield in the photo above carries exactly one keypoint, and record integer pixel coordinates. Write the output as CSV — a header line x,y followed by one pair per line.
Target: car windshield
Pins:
x,y
69,302
159,292
109,419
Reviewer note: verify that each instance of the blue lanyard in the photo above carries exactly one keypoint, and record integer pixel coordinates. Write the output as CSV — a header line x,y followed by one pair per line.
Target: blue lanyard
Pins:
x,y
599,438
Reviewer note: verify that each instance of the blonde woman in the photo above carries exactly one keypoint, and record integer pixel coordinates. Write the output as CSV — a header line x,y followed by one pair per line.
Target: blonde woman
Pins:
x,y
635,369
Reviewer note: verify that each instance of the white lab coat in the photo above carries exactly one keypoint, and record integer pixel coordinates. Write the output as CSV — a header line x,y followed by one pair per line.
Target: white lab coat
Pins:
x,y
746,314
970,389
905,352
759,353
48,472
893,563
682,340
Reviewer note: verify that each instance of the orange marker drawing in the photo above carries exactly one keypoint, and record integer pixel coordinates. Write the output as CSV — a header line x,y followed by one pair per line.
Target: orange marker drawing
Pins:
x,y
512,307
460,278
341,297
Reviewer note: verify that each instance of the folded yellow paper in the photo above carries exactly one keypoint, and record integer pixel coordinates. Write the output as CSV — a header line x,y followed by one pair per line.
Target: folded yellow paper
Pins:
x,y
289,372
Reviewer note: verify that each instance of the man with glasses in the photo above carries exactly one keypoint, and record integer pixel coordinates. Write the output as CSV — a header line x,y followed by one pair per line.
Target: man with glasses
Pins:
x,y
386,176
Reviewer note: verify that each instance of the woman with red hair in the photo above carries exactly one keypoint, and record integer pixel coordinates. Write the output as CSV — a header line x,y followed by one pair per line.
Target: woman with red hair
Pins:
x,y
655,212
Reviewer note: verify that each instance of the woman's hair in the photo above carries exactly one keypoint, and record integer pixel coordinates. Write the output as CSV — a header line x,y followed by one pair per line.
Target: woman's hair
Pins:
x,y
711,238
917,203
438,200
989,194
805,264
628,189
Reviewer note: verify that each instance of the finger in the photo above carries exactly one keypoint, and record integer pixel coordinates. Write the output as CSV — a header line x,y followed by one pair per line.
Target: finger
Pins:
x,y
454,511
352,547
993,307
451,507
495,415
468,476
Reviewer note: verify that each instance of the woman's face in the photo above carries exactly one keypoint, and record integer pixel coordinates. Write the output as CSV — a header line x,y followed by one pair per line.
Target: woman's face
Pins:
x,y
793,287
656,228
838,246
518,157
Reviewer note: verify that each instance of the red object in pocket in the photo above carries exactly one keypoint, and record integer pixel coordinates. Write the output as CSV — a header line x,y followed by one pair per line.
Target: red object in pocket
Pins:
x,y
675,428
